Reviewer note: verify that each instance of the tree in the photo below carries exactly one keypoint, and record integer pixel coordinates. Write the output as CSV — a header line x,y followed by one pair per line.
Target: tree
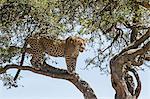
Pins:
x,y
125,24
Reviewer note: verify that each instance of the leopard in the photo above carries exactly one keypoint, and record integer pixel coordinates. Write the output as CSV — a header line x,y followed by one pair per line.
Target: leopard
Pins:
x,y
69,49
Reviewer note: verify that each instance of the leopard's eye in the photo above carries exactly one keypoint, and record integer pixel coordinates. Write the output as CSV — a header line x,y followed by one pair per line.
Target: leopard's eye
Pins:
x,y
77,40
80,44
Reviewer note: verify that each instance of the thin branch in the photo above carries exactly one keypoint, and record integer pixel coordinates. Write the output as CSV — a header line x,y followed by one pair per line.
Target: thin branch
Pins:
x,y
23,53
91,61
115,39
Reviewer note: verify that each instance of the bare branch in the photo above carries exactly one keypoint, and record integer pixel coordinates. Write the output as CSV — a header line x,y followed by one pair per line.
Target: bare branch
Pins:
x,y
48,71
142,50
127,55
137,42
53,72
115,39
138,88
23,54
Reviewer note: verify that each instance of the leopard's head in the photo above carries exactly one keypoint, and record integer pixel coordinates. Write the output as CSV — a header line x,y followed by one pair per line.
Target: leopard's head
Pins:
x,y
80,42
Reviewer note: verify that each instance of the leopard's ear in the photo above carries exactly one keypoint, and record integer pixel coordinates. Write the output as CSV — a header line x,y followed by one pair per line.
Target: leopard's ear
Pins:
x,y
73,39
70,39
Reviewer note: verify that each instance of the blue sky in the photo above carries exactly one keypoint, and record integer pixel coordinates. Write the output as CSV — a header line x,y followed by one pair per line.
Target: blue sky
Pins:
x,y
41,87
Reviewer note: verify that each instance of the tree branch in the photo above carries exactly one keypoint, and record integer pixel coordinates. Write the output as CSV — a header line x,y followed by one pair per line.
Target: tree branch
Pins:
x,y
138,88
137,42
53,72
144,4
117,63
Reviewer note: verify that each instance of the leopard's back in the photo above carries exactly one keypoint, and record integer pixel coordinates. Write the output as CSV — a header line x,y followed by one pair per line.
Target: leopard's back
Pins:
x,y
54,48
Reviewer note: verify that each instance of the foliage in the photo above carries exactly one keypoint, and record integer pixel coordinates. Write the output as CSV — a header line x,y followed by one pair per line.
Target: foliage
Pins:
x,y
101,21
